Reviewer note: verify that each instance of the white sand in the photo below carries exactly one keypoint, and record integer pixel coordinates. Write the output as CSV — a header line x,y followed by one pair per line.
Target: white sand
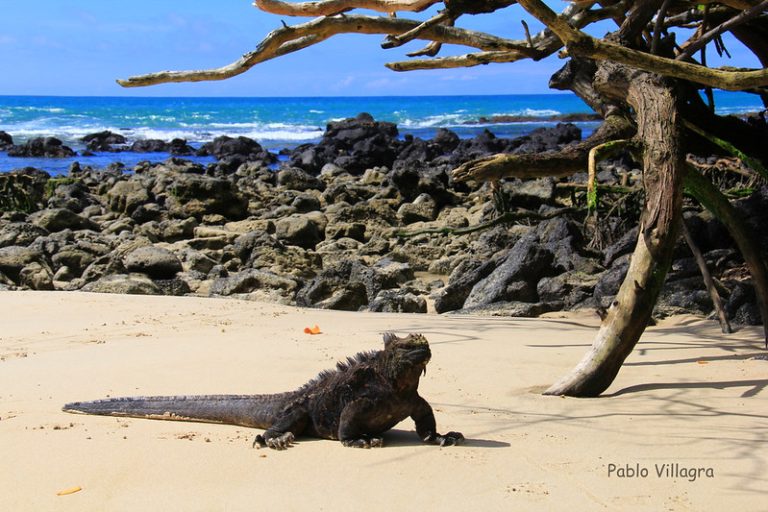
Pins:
x,y
688,395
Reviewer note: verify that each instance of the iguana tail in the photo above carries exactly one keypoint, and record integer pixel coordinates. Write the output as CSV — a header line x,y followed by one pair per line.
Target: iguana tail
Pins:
x,y
258,411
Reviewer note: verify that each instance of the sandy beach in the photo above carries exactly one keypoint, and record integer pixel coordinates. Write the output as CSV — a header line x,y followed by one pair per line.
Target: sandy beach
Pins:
x,y
688,397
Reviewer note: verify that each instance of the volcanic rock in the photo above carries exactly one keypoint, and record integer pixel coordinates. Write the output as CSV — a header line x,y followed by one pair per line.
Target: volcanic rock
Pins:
x,y
14,258
156,262
104,141
42,147
134,284
58,219
398,301
6,141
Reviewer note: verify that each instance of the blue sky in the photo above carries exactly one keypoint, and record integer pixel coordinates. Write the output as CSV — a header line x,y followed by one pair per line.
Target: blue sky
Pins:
x,y
65,47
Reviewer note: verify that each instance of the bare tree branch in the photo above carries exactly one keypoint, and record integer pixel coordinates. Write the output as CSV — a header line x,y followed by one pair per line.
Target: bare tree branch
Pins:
x,y
657,27
731,80
740,18
579,43
717,302
399,40
460,61
537,47
331,7
292,38
430,50
739,4
569,160
713,200
637,21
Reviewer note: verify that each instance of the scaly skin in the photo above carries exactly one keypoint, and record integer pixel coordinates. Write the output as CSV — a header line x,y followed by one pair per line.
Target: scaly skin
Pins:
x,y
355,403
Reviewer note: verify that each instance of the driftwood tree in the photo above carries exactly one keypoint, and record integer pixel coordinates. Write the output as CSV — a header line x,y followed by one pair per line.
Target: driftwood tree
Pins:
x,y
640,79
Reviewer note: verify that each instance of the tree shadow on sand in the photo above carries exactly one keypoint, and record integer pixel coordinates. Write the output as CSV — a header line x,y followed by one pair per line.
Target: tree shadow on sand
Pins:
x,y
398,437
755,386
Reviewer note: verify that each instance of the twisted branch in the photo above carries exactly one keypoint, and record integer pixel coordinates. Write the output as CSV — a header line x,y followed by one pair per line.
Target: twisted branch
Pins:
x,y
331,7
569,160
581,44
737,20
399,40
460,61
292,38
542,45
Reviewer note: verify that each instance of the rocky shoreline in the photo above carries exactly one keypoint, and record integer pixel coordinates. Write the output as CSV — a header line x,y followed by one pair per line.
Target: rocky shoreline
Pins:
x,y
323,226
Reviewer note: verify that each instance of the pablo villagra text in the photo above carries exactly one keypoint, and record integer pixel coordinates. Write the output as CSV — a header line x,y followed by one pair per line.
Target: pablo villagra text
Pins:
x,y
671,470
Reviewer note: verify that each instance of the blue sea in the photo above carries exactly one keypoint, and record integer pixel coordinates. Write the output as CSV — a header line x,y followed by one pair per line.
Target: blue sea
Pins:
x,y
276,123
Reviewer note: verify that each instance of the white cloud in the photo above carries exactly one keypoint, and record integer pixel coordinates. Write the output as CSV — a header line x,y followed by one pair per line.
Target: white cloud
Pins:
x,y
386,84
87,17
4,39
458,78
204,47
178,20
344,83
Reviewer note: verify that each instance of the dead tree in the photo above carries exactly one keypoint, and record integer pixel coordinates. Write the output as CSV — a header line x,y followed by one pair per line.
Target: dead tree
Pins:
x,y
642,81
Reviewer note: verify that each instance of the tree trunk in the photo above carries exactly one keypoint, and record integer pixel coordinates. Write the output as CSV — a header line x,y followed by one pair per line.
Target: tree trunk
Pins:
x,y
717,302
713,200
659,130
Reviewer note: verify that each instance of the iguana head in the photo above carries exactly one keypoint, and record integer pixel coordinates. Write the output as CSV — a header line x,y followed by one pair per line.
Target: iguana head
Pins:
x,y
406,358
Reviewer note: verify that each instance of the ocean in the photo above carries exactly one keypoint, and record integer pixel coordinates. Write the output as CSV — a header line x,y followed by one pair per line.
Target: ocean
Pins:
x,y
276,123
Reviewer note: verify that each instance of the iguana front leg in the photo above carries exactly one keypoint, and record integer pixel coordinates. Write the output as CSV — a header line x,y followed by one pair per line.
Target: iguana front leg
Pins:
x,y
426,427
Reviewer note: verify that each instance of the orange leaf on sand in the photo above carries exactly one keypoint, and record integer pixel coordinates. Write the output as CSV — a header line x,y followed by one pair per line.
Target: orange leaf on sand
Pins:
x,y
312,330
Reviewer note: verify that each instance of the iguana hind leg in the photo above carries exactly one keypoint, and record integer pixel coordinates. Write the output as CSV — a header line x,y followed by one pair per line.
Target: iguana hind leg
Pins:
x,y
364,442
283,432
279,442
351,432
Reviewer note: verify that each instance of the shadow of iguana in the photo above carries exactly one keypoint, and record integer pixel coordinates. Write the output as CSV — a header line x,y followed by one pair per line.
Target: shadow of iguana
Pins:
x,y
355,403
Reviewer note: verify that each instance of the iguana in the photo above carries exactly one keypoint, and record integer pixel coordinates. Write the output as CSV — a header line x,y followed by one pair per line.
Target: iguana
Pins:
x,y
356,402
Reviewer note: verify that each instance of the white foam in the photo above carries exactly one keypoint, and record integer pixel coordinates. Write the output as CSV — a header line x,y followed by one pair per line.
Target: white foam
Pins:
x,y
544,112
206,133
530,112
145,132
438,120
285,135
736,109
260,126
50,110
192,133
149,117
66,133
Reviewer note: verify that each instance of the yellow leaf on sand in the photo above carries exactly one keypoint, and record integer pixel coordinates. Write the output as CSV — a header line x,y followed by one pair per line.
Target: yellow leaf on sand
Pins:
x,y
71,490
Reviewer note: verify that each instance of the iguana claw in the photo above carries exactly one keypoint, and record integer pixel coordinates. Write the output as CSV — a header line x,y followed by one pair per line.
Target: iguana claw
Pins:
x,y
280,442
370,442
449,439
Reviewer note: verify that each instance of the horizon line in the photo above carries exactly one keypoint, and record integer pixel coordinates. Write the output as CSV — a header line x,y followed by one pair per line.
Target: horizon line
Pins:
x,y
3,95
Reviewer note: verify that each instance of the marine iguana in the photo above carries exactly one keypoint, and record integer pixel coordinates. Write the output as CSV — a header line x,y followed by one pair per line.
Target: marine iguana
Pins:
x,y
355,403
